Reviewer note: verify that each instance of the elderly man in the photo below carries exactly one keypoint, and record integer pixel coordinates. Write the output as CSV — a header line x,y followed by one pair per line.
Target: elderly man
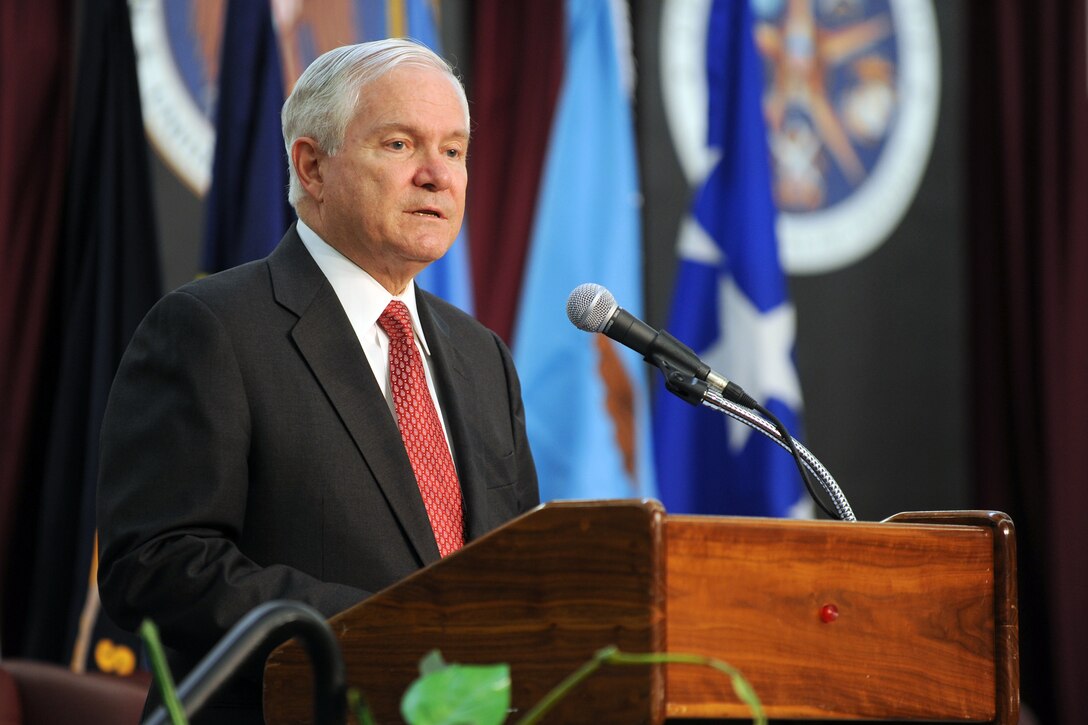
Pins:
x,y
312,426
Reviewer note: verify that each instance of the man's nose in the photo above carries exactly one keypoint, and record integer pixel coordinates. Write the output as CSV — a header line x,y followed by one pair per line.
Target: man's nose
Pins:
x,y
434,172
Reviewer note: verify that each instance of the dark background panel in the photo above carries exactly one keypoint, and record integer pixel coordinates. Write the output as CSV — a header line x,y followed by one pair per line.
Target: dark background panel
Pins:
x,y
882,344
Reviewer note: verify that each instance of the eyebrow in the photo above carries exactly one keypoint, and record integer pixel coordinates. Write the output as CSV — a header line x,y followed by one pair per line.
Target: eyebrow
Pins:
x,y
459,134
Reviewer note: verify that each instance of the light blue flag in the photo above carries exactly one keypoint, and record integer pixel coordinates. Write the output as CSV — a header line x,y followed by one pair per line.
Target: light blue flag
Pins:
x,y
731,304
586,398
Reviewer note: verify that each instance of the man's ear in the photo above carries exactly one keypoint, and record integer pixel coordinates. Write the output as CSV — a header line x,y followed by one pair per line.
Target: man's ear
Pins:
x,y
306,157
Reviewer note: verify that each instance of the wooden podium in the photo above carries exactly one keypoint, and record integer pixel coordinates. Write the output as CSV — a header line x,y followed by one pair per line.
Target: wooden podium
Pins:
x,y
926,625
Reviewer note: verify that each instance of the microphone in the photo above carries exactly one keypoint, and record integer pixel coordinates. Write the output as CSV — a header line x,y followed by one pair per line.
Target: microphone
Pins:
x,y
592,308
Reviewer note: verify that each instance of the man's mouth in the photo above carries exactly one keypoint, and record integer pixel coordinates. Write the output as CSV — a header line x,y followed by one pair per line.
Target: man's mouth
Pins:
x,y
428,213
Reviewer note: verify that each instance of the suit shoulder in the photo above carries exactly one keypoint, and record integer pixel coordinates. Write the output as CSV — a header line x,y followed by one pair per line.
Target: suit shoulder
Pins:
x,y
228,285
236,298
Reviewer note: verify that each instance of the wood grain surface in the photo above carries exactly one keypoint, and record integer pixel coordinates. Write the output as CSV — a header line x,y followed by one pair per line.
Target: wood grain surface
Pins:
x,y
914,637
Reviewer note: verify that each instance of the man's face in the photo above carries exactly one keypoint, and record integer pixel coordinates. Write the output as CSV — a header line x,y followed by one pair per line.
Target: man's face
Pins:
x,y
394,194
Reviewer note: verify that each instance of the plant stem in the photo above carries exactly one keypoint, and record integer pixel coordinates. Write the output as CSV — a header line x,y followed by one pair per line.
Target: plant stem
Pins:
x,y
165,681
612,655
357,705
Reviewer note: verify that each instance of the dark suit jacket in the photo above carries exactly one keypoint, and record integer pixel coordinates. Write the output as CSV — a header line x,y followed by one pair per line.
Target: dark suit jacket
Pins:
x,y
248,453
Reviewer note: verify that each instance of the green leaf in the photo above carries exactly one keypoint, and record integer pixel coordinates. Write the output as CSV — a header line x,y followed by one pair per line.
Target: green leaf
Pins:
x,y
432,662
459,695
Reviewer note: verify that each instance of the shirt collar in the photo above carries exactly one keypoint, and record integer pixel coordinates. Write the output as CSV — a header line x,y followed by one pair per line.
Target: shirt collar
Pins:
x,y
363,297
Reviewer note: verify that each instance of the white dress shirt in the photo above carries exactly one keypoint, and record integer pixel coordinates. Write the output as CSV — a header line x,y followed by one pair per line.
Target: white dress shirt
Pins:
x,y
364,299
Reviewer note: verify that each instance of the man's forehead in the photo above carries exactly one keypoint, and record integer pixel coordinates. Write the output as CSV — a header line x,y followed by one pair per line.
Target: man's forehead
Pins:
x,y
400,87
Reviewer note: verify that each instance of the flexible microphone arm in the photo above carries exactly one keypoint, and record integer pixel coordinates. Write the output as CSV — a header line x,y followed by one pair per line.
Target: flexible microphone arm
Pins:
x,y
697,392
754,420
270,622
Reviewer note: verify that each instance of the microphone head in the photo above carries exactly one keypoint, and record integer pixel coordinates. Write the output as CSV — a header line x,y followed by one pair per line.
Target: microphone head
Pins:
x,y
590,306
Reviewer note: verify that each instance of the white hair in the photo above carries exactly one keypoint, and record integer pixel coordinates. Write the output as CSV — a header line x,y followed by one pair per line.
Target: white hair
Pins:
x,y
328,92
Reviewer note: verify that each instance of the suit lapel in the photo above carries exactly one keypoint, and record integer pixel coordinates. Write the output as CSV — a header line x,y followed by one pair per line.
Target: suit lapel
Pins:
x,y
458,406
326,340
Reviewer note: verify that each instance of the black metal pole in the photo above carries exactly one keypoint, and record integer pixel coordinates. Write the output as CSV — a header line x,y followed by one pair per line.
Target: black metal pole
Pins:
x,y
281,620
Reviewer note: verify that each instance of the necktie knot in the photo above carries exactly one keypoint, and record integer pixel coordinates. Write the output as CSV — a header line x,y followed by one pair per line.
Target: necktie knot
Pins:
x,y
396,320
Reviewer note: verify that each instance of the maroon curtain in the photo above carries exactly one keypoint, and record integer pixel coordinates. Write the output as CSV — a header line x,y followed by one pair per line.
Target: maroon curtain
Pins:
x,y
516,71
35,82
1028,155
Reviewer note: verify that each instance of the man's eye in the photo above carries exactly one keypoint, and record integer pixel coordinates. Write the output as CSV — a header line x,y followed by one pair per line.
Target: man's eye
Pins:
x,y
453,153
398,145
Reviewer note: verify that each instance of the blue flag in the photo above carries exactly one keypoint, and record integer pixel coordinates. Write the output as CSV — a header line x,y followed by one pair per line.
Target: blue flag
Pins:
x,y
247,210
731,304
586,402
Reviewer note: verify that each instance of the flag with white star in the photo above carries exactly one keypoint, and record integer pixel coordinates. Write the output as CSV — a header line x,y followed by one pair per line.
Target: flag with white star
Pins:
x,y
731,304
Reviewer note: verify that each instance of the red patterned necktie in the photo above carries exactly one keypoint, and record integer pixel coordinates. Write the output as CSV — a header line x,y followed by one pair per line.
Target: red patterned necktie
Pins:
x,y
421,431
